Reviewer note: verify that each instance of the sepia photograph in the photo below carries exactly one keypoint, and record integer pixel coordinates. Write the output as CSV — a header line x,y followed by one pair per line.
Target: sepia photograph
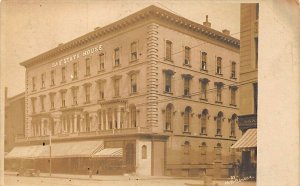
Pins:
x,y
135,92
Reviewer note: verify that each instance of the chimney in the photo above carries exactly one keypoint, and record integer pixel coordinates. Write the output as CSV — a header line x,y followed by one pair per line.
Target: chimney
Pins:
x,y
206,23
226,32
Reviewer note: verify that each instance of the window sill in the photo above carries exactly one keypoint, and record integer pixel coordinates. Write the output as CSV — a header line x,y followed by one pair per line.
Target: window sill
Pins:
x,y
74,105
133,93
203,70
52,85
63,107
219,74
74,78
165,92
186,132
33,90
63,82
203,134
187,65
87,102
133,60
87,75
233,105
186,96
219,102
42,111
114,97
100,71
233,78
117,66
52,109
202,99
218,135
169,60
232,136
43,88
169,131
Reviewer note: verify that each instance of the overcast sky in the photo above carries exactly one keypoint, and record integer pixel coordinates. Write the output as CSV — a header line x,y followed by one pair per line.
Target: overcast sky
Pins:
x,y
33,27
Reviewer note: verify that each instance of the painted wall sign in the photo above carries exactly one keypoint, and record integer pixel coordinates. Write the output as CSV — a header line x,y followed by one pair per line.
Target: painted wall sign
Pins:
x,y
76,56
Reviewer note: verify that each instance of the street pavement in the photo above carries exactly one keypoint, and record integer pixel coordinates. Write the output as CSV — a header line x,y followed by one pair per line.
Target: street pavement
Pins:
x,y
11,179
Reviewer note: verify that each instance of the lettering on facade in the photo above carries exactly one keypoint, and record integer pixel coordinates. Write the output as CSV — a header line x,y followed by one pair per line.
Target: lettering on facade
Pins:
x,y
76,56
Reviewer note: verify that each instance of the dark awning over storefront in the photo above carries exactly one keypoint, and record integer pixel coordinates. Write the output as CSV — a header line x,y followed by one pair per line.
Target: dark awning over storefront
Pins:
x,y
58,150
248,141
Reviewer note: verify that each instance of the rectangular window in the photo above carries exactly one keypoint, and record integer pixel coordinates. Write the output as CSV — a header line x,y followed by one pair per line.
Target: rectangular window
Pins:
x,y
117,57
75,70
33,84
117,87
51,101
52,77
204,61
219,94
187,54
233,68
133,83
255,89
43,80
33,104
101,90
168,83
186,87
87,94
168,50
219,65
203,90
101,62
133,51
75,95
63,99
87,66
42,103
233,96
63,74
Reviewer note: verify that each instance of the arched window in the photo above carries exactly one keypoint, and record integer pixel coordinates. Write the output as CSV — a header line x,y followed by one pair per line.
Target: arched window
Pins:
x,y
203,152
144,152
219,123
232,125
186,148
169,110
218,150
204,121
132,113
187,113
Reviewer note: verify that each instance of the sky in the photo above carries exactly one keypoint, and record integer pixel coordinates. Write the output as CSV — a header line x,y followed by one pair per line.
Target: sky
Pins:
x,y
35,26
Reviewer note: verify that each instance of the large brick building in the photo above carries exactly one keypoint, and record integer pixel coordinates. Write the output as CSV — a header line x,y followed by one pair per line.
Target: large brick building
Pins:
x,y
158,87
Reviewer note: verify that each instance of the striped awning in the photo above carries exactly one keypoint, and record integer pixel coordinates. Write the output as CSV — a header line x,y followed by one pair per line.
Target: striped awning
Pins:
x,y
58,150
109,152
248,141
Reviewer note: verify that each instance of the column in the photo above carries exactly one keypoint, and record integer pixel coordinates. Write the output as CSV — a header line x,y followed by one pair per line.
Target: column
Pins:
x,y
113,118
101,120
71,123
81,123
75,122
106,116
118,117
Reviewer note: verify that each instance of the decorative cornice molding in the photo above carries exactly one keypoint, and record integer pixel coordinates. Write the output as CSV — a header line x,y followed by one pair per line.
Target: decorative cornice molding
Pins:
x,y
149,12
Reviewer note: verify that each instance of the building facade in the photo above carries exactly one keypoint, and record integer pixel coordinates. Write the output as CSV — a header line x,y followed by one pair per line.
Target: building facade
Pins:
x,y
161,87
14,119
249,77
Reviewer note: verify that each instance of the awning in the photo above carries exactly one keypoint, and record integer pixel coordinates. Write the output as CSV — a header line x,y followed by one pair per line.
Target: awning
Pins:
x,y
248,140
109,152
58,150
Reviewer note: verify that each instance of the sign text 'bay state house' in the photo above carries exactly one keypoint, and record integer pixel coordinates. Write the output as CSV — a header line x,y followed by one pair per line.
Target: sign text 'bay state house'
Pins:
x,y
162,88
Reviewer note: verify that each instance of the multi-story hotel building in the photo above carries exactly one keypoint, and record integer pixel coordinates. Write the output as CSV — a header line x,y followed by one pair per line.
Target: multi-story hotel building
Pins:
x,y
159,87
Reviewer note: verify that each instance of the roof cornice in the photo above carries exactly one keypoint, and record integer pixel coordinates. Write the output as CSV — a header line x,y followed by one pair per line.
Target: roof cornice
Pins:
x,y
149,12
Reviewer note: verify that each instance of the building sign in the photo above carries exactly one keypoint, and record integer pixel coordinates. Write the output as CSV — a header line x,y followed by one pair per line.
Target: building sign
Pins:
x,y
77,55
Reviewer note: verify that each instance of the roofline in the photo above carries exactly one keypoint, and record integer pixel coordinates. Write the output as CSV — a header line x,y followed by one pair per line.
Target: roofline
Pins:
x,y
150,11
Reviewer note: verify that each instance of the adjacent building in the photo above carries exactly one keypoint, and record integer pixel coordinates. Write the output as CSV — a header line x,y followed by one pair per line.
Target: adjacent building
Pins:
x,y
154,93
249,90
